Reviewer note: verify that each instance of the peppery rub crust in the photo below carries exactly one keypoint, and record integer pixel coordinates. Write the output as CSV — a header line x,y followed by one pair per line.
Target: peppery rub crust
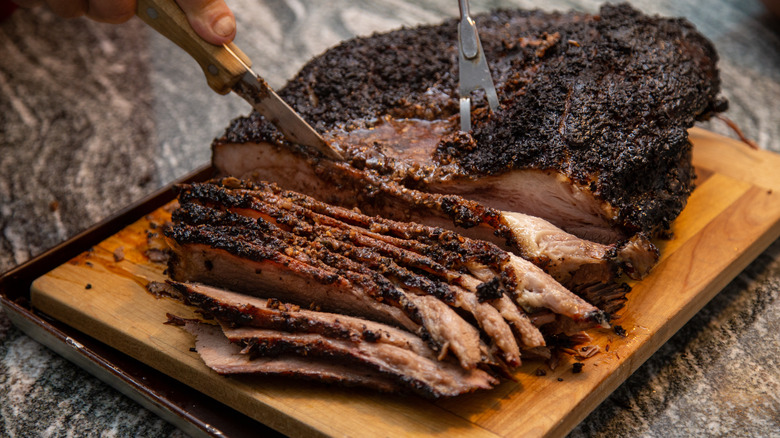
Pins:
x,y
613,110
604,99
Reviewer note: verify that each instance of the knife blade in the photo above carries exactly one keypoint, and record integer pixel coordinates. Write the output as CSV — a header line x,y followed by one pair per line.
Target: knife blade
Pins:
x,y
228,69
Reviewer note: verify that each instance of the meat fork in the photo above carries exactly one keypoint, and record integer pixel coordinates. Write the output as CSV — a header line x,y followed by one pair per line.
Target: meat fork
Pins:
x,y
474,72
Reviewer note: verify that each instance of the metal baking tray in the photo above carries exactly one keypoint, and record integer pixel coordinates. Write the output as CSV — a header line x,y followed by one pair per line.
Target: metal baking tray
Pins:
x,y
191,411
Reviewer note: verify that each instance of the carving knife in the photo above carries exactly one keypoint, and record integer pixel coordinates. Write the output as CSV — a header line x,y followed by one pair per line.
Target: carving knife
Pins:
x,y
228,69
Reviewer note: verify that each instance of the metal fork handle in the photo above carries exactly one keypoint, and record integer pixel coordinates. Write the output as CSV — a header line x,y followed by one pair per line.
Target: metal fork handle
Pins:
x,y
469,42
474,71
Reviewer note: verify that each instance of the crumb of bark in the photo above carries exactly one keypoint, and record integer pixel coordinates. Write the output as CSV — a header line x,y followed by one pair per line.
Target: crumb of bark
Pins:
x,y
489,290
54,206
119,254
620,331
371,336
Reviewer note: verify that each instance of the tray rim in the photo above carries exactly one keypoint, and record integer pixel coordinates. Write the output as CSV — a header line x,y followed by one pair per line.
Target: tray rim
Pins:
x,y
163,395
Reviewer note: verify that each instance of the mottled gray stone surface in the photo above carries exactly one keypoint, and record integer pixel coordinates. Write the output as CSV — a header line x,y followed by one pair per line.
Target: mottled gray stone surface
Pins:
x,y
93,117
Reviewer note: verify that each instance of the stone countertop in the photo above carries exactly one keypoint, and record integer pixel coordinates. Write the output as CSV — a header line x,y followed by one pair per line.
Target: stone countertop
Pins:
x,y
96,116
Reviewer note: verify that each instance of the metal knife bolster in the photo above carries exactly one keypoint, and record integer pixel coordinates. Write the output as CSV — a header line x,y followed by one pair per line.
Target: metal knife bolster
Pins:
x,y
265,101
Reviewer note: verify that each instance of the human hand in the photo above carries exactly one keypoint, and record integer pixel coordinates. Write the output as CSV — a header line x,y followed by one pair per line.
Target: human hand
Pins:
x,y
211,19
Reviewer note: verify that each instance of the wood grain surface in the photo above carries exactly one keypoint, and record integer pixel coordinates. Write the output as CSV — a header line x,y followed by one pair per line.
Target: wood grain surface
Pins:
x,y
732,216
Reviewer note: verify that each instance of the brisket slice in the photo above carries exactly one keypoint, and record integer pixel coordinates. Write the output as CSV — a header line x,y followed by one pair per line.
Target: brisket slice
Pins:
x,y
430,378
239,310
591,132
245,270
224,357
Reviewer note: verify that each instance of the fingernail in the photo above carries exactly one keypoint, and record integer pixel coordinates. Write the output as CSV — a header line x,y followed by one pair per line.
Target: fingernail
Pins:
x,y
225,26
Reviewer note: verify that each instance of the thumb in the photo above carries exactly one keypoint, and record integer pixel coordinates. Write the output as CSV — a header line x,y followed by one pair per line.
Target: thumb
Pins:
x,y
211,19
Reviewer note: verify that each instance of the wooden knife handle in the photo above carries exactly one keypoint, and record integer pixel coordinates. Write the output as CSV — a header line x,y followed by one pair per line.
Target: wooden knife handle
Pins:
x,y
221,68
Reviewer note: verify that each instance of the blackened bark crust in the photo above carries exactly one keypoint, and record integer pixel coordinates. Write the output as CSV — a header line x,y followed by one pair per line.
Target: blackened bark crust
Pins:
x,y
605,99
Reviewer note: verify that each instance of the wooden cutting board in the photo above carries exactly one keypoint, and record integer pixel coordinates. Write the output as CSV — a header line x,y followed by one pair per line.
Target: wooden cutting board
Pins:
x,y
732,216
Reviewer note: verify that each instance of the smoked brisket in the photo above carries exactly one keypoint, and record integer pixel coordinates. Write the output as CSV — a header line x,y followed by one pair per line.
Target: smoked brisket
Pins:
x,y
591,132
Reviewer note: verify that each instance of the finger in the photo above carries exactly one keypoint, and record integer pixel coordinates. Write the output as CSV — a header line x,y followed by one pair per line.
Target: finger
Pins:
x,y
211,19
111,11
68,8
